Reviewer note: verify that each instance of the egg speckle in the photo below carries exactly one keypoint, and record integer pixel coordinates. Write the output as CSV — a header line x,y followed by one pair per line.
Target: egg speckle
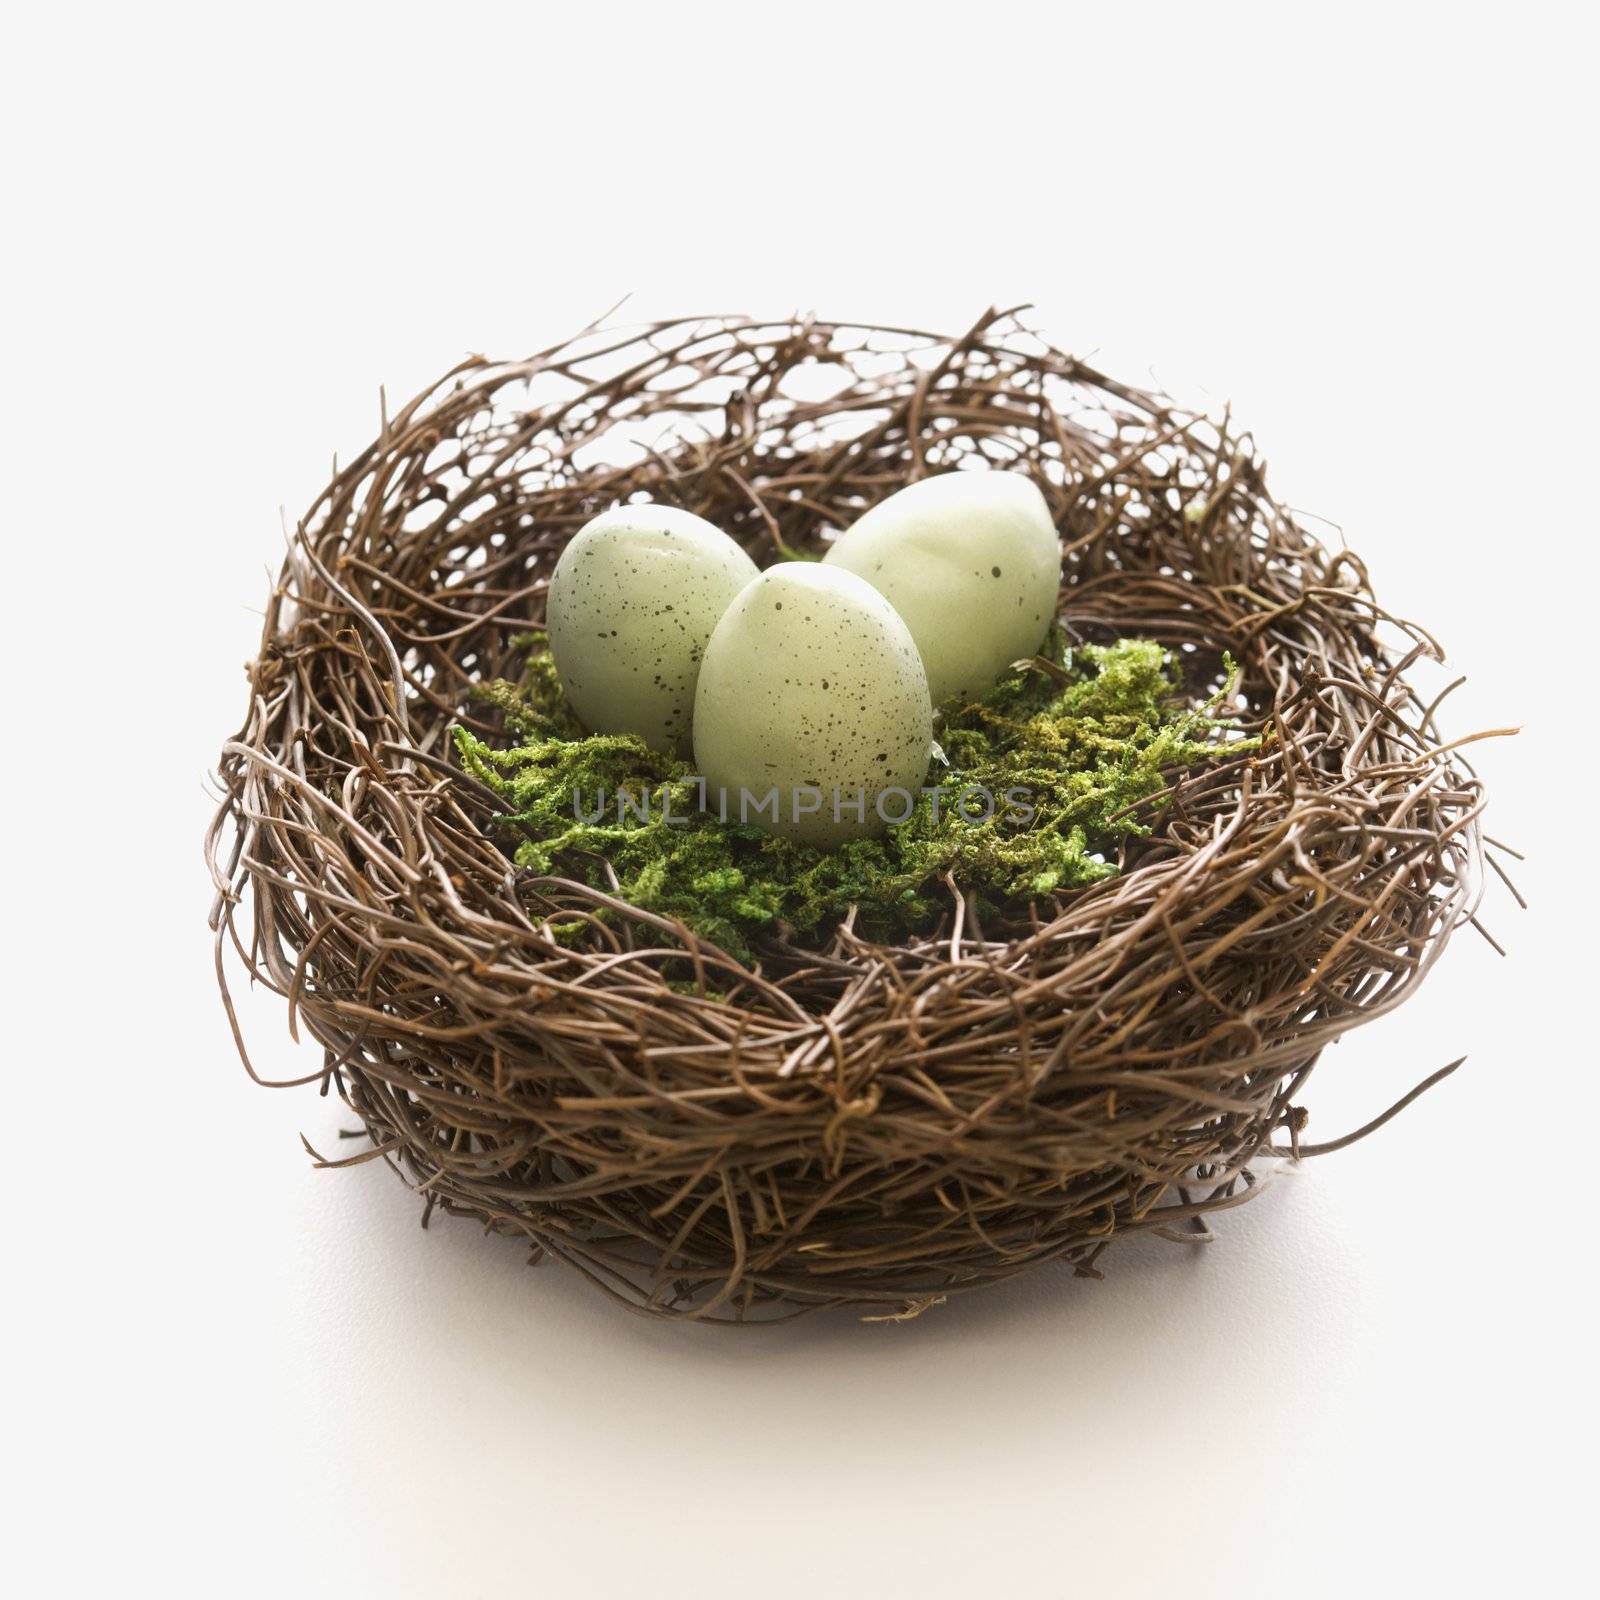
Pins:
x,y
972,562
806,718
632,602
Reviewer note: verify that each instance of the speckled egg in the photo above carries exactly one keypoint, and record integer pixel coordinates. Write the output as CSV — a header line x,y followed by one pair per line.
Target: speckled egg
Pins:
x,y
812,718
972,562
632,602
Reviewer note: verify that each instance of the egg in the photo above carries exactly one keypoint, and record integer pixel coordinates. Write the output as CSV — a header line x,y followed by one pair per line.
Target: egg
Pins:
x,y
632,602
972,562
812,718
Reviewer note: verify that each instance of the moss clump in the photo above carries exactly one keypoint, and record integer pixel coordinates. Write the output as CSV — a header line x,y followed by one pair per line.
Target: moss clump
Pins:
x,y
1084,739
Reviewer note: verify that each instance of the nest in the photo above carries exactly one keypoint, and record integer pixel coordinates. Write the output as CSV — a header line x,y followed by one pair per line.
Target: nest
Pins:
x,y
844,1122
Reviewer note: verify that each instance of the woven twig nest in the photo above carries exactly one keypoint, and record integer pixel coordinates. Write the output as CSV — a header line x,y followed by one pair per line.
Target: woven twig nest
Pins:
x,y
839,1122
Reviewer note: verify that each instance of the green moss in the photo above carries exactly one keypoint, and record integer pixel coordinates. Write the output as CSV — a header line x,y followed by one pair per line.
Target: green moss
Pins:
x,y
1086,741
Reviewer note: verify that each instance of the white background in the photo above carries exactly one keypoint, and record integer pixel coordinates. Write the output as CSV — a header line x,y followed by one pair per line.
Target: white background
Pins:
x,y
1371,231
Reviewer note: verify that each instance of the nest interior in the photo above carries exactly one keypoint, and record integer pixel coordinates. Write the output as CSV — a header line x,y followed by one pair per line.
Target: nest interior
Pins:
x,y
848,1122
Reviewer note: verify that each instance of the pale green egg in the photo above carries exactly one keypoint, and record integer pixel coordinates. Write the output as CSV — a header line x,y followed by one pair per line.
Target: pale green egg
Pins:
x,y
972,562
632,602
812,718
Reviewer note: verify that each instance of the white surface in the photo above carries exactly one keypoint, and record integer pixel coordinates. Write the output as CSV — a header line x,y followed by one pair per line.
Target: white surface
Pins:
x,y
234,1375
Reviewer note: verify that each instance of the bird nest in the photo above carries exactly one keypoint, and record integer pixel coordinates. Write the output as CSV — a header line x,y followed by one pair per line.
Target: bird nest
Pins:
x,y
829,1120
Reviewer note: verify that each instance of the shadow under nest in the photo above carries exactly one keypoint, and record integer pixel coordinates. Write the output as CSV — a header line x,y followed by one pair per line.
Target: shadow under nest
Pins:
x,y
847,1122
